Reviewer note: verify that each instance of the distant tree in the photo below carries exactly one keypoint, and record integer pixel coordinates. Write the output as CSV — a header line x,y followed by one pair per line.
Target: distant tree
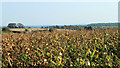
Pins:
x,y
29,27
88,28
42,27
12,25
57,26
20,25
71,27
62,27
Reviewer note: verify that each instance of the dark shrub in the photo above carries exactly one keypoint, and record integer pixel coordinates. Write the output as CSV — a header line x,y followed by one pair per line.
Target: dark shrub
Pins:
x,y
26,30
5,29
16,31
51,29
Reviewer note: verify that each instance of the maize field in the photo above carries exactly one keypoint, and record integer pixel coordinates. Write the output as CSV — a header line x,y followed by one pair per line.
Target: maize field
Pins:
x,y
97,47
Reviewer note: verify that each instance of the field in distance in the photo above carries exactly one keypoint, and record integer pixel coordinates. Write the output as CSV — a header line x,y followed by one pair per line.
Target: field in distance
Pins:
x,y
29,29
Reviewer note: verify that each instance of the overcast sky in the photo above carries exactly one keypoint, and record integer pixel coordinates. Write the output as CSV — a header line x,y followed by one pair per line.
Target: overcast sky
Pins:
x,y
60,0
59,13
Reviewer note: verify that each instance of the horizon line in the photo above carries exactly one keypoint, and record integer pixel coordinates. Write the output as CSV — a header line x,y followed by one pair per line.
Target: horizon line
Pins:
x,y
66,24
